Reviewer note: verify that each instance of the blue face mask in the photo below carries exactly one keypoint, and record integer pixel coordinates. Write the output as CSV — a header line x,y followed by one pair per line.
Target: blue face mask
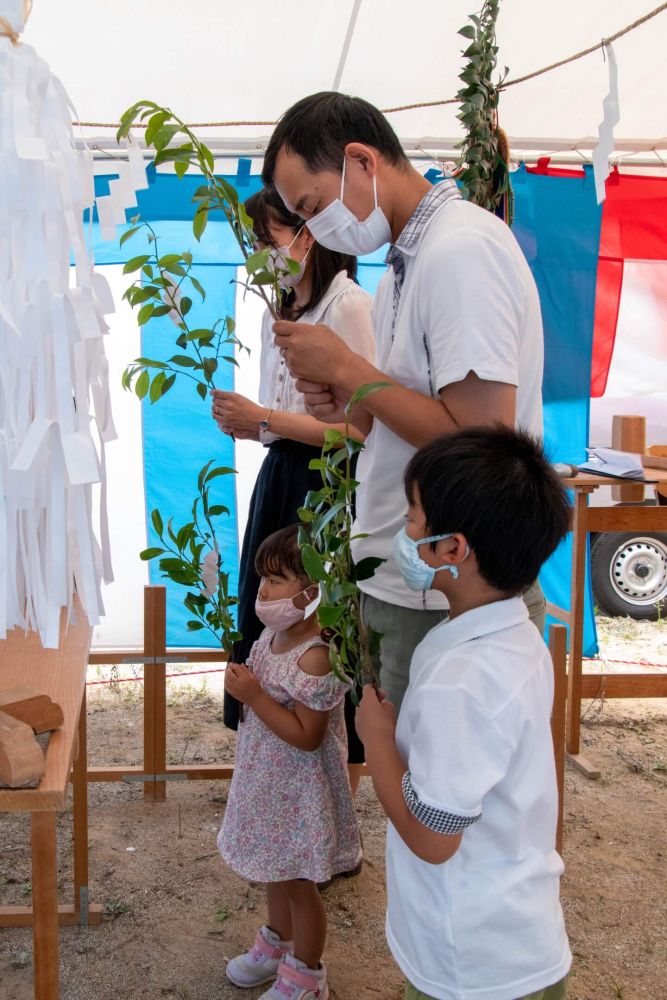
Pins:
x,y
417,574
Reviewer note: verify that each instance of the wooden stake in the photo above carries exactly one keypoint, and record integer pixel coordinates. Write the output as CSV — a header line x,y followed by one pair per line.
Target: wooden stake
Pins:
x,y
558,650
628,434
155,691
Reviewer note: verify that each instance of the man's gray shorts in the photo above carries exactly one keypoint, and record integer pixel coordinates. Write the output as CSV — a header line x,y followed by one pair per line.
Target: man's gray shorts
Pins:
x,y
404,628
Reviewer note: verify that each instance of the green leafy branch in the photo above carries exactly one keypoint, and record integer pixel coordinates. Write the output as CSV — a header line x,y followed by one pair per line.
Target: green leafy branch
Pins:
x,y
190,556
485,177
158,291
326,540
175,143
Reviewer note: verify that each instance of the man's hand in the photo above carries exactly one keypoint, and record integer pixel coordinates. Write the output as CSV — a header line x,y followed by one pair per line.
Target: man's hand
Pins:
x,y
325,402
241,683
235,414
375,720
312,352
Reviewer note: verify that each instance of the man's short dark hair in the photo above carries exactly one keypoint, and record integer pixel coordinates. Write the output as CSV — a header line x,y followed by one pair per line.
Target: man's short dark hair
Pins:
x,y
496,487
319,128
279,554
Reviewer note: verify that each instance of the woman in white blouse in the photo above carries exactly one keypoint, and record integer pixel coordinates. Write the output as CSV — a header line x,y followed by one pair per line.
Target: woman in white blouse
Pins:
x,y
325,292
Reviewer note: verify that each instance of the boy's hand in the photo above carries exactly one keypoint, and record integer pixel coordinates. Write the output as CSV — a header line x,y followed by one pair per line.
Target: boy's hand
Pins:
x,y
375,720
241,683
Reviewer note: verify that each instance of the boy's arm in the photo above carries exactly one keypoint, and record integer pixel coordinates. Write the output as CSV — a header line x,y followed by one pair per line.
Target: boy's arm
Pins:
x,y
376,724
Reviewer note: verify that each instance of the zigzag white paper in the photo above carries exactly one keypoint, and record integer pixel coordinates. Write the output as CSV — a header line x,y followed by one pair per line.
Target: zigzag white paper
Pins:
x,y
610,119
55,413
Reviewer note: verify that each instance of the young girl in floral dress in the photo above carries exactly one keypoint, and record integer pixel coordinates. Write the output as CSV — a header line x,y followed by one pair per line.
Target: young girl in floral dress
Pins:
x,y
290,821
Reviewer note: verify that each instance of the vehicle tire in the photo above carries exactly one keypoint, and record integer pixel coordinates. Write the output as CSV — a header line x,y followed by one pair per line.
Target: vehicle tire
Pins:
x,y
629,573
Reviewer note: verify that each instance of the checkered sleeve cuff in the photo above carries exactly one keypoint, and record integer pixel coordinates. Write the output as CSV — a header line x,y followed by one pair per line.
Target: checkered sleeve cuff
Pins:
x,y
435,819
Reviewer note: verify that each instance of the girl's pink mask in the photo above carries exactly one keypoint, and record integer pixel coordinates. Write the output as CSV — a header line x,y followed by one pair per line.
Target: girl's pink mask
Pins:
x,y
283,613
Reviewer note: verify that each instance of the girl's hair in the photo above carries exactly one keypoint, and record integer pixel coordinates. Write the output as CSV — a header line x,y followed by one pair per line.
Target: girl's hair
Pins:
x,y
266,207
279,554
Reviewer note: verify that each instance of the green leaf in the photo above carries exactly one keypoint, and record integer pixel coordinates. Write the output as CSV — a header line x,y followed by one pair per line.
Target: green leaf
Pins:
x,y
167,384
156,518
194,626
141,385
155,123
217,509
202,390
183,360
147,554
156,387
128,234
220,470
467,31
257,261
199,287
145,313
327,617
135,263
366,390
312,563
365,568
199,222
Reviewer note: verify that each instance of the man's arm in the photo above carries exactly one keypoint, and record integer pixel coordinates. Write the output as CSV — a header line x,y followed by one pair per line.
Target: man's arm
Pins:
x,y
315,353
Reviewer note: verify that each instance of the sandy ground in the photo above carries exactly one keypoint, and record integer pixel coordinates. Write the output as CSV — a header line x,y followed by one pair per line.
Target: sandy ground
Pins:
x,y
174,914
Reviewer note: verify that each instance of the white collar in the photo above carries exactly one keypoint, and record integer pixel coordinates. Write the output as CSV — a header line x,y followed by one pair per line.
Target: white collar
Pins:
x,y
481,621
339,283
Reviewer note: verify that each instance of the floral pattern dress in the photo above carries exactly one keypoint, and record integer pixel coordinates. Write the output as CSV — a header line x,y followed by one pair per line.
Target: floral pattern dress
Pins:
x,y
290,813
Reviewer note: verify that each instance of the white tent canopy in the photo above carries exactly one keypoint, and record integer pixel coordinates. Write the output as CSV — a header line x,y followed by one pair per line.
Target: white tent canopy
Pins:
x,y
213,61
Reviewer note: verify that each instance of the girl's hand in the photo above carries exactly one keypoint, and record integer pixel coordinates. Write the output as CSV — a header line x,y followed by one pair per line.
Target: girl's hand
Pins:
x,y
375,720
235,414
241,683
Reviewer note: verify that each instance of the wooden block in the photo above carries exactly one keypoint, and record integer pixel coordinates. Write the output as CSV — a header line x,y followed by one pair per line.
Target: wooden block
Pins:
x,y
21,757
584,765
628,433
32,707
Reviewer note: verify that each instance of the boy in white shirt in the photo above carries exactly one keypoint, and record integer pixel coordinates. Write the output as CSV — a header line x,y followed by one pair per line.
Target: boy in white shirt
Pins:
x,y
467,776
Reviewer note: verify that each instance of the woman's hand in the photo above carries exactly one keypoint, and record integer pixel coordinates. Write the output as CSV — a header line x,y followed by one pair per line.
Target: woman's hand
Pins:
x,y
375,720
241,683
235,414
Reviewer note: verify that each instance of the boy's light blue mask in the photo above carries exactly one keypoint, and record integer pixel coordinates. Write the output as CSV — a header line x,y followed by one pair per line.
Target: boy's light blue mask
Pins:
x,y
418,574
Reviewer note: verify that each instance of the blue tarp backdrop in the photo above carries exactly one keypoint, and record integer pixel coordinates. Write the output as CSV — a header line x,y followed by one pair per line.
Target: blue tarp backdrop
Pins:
x,y
557,223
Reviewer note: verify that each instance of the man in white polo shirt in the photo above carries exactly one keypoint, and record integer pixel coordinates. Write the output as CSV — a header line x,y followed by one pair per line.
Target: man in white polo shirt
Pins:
x,y
457,323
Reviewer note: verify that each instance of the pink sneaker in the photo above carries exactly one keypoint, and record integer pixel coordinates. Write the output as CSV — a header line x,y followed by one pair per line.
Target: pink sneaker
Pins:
x,y
259,965
297,982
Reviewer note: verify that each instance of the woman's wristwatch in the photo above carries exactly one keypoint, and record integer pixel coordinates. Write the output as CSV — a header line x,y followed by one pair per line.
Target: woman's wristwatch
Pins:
x,y
264,424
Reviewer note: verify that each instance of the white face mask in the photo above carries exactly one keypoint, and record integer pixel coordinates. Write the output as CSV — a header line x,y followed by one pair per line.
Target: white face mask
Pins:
x,y
336,228
278,257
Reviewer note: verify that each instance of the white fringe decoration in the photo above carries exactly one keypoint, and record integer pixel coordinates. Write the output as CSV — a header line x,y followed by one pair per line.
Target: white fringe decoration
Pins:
x,y
55,414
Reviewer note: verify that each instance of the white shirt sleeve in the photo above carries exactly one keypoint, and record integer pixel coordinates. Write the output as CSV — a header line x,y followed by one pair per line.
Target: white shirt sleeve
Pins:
x,y
350,317
472,306
457,751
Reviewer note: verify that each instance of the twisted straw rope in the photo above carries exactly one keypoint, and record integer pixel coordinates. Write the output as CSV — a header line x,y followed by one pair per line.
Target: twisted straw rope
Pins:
x,y
6,29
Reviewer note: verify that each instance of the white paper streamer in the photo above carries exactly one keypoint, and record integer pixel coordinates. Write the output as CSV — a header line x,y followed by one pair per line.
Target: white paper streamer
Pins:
x,y
55,412
610,119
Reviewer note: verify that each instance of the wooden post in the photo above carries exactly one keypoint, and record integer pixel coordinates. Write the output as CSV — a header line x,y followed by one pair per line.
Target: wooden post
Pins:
x,y
80,818
577,626
558,650
628,434
45,906
155,691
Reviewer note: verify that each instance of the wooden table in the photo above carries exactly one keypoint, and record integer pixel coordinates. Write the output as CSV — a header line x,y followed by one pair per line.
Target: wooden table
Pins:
x,y
606,518
60,673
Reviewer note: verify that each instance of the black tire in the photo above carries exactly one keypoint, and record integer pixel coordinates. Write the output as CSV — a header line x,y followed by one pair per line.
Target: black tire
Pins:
x,y
629,573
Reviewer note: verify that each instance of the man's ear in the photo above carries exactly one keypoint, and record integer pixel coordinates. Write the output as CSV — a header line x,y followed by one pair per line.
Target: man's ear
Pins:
x,y
359,155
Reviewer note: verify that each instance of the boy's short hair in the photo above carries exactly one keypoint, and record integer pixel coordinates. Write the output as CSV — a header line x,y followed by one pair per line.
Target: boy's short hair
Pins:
x,y
496,487
319,127
279,554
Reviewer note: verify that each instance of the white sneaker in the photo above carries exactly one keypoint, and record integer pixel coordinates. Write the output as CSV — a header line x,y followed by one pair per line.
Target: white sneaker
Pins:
x,y
297,982
259,965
